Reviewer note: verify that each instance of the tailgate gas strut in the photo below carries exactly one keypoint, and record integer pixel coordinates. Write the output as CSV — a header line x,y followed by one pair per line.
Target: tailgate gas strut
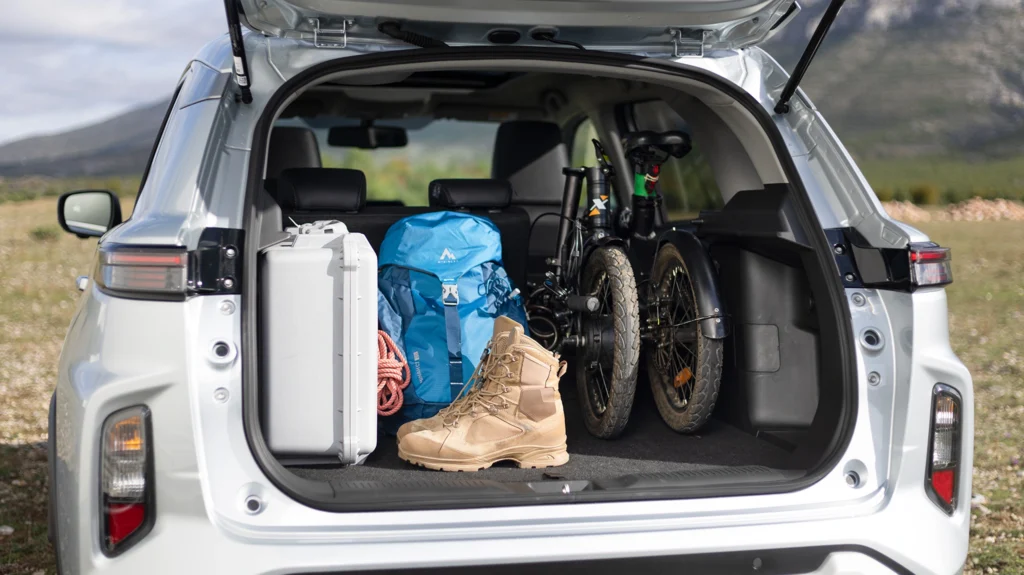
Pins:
x,y
805,60
238,50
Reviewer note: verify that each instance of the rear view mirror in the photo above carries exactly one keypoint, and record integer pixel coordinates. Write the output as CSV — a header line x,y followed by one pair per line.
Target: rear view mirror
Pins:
x,y
88,213
367,137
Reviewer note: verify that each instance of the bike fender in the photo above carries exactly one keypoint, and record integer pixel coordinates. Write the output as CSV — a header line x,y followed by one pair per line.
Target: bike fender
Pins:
x,y
704,279
595,243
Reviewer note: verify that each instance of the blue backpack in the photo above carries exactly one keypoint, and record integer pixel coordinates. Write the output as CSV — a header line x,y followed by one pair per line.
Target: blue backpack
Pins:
x,y
442,285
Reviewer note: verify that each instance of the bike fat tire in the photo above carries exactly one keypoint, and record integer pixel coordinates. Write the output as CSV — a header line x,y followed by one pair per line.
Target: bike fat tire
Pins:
x,y
610,262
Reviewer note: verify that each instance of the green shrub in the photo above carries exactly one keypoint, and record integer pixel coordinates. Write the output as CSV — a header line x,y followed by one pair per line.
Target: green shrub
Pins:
x,y
900,195
925,194
884,194
956,195
44,233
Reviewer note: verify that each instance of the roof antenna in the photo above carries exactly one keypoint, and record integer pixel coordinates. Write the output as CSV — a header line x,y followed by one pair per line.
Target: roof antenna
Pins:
x,y
238,50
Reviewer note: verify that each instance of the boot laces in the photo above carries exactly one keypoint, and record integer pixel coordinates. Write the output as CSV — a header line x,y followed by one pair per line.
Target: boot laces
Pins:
x,y
487,383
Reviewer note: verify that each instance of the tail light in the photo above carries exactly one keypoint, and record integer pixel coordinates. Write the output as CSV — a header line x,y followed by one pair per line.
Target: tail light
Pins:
x,y
930,265
126,485
157,271
919,265
944,448
214,267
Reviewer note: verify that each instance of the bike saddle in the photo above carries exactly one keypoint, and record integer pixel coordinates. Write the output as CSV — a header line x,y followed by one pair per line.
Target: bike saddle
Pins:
x,y
654,147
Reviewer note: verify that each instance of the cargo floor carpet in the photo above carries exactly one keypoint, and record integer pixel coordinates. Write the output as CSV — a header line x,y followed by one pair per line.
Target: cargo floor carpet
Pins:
x,y
647,446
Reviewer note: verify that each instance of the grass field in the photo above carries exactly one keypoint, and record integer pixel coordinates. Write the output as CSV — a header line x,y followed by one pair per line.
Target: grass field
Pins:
x,y
38,265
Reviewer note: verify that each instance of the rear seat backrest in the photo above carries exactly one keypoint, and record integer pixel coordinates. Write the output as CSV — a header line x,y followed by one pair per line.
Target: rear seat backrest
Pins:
x,y
291,147
318,190
490,199
311,194
530,155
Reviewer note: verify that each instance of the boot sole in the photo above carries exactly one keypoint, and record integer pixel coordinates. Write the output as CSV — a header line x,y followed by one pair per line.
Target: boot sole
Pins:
x,y
533,458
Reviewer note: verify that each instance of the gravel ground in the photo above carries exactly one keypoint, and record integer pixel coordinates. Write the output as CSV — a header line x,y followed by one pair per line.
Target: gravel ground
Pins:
x,y
38,264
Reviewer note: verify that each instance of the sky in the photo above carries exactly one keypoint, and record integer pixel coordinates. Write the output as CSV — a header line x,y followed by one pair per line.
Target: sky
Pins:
x,y
68,63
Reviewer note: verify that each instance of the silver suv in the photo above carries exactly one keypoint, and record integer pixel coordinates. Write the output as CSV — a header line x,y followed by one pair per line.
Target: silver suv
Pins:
x,y
841,441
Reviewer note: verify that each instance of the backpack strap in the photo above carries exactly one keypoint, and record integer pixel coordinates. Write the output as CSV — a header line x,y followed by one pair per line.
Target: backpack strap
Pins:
x,y
453,333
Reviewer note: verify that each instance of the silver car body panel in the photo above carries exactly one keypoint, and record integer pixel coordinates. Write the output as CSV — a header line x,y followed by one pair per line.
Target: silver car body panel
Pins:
x,y
611,25
121,352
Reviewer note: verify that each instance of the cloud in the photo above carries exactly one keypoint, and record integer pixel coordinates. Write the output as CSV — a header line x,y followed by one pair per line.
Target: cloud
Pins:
x,y
93,59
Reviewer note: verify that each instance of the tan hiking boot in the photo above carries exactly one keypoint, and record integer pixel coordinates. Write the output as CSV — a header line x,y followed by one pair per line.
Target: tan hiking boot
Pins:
x,y
436,421
513,412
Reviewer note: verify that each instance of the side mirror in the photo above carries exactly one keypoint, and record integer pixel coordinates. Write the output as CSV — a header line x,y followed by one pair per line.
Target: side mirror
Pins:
x,y
88,213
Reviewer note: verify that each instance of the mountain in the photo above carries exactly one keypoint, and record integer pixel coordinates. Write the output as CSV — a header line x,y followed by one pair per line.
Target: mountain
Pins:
x,y
895,79
901,78
120,146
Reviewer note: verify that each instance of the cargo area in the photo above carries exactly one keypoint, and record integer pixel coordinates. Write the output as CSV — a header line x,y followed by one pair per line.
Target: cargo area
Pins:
x,y
782,405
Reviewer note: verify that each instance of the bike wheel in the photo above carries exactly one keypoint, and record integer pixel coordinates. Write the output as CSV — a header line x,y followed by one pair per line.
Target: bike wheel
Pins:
x,y
684,366
606,365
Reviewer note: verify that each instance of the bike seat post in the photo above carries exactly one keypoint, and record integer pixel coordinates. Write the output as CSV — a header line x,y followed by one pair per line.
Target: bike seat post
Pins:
x,y
570,205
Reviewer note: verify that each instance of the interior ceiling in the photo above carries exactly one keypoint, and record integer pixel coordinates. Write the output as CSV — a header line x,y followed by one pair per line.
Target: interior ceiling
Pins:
x,y
468,96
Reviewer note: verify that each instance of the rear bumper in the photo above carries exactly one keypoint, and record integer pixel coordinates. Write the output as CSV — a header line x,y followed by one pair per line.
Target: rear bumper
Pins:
x,y
909,536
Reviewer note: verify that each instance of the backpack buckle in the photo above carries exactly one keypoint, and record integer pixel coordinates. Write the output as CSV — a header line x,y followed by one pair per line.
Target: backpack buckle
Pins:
x,y
450,294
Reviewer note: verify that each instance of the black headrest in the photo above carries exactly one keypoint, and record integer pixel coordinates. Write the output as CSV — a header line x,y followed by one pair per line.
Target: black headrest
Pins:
x,y
332,189
520,143
470,194
291,147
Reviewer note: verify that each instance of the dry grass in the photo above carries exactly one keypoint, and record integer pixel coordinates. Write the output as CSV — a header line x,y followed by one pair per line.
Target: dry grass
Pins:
x,y
38,266
37,298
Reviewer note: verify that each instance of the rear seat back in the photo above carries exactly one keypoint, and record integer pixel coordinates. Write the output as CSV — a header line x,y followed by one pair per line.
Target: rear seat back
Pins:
x,y
311,194
530,155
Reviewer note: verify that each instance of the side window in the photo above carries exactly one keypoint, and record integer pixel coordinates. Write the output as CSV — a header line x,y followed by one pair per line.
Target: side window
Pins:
x,y
582,149
687,184
171,109
584,154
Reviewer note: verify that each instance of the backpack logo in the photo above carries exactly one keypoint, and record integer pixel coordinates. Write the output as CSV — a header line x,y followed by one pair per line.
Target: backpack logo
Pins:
x,y
447,256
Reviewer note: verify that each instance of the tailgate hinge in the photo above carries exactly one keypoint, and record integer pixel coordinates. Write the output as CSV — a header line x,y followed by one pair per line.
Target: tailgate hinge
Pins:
x,y
688,44
215,266
328,37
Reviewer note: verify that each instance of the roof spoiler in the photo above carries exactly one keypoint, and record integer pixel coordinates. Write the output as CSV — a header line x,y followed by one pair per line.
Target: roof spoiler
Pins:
x,y
782,107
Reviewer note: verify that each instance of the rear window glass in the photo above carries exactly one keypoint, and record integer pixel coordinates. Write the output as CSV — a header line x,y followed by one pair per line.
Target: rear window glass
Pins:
x,y
436,149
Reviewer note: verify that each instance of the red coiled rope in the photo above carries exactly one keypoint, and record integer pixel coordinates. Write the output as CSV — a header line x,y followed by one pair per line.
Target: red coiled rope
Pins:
x,y
392,375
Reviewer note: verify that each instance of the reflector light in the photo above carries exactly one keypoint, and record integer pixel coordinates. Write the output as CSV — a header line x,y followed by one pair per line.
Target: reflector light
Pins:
x,y
930,265
123,519
942,484
944,450
144,270
125,485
